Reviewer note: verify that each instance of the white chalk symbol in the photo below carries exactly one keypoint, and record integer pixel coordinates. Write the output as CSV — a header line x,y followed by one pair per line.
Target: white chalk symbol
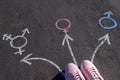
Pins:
x,y
9,37
27,60
104,39
67,38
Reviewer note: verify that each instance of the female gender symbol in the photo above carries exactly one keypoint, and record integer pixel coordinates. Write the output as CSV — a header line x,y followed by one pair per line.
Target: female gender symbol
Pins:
x,y
67,37
108,17
65,30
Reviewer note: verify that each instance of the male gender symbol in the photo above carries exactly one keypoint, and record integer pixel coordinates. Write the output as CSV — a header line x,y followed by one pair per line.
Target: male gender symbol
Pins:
x,y
108,13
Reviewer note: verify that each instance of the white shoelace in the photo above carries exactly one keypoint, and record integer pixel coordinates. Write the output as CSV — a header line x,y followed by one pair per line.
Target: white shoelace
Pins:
x,y
95,74
75,76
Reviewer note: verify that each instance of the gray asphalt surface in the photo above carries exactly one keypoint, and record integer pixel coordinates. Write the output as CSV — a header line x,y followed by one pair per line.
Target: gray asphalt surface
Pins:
x,y
44,40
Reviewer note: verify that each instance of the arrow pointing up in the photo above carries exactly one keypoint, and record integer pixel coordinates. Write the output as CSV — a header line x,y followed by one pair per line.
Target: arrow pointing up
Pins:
x,y
25,31
66,39
108,13
103,39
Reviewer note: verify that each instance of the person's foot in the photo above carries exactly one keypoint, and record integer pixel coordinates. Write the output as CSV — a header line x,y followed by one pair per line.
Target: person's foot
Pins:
x,y
72,72
90,71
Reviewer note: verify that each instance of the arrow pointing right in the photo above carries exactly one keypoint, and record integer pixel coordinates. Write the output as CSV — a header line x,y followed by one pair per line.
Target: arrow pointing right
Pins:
x,y
104,39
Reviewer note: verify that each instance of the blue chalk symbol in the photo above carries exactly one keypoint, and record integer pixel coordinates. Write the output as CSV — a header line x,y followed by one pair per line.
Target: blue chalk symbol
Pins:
x,y
108,13
9,37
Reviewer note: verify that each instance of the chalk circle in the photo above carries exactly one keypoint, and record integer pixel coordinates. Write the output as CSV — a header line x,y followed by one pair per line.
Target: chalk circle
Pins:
x,y
63,29
20,46
107,27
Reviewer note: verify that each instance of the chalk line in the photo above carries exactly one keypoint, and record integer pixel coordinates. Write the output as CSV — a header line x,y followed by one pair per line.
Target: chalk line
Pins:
x,y
27,61
104,39
9,37
66,38
108,13
26,30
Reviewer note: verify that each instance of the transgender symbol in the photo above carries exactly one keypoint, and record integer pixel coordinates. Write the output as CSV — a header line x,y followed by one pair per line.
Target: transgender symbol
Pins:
x,y
21,37
108,13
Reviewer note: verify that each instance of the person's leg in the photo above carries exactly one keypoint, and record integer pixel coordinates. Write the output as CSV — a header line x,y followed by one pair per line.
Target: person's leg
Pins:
x,y
90,71
72,72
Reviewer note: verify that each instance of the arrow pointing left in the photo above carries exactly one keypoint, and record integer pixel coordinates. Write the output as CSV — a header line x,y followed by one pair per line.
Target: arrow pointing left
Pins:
x,y
27,60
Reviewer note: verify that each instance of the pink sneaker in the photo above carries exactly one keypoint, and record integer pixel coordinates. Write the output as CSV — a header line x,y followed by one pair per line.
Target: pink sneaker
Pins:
x,y
72,72
90,71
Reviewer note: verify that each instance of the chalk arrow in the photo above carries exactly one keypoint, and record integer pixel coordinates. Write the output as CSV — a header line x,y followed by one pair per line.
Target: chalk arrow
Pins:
x,y
108,13
103,39
67,38
27,60
25,31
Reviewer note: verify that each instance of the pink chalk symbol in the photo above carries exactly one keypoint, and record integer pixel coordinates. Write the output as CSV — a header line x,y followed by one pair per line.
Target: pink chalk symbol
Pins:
x,y
65,30
66,37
